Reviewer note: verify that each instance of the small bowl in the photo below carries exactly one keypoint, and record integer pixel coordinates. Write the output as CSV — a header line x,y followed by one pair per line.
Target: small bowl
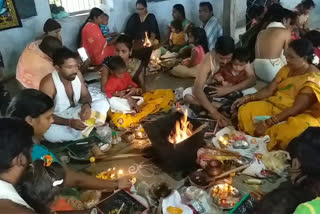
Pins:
x,y
199,179
231,201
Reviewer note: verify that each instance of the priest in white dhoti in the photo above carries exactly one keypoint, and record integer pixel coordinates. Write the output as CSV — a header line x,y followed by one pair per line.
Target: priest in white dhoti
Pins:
x,y
75,115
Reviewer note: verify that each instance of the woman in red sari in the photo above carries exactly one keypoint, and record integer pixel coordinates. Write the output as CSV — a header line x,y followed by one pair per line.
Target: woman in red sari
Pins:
x,y
92,38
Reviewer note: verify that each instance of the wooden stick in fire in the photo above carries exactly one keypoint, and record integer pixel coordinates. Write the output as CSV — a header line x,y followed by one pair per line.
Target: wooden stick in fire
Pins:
x,y
231,171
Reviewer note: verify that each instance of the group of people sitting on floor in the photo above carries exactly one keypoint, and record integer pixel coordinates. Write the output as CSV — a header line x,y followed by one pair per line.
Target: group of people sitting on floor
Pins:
x,y
224,77
58,105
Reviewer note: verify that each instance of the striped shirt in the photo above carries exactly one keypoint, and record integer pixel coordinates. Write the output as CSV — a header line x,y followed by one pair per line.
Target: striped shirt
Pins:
x,y
311,207
213,30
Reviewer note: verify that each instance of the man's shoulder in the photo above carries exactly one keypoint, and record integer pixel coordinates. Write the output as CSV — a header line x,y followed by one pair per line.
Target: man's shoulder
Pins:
x,y
7,206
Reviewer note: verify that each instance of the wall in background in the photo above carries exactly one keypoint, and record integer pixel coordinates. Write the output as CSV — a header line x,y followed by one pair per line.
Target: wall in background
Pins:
x,y
13,41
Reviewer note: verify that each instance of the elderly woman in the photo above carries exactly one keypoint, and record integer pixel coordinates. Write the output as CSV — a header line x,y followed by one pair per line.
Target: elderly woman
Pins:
x,y
142,22
291,101
92,38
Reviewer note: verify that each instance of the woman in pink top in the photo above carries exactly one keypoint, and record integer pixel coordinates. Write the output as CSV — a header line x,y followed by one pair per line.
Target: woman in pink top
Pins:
x,y
92,38
188,68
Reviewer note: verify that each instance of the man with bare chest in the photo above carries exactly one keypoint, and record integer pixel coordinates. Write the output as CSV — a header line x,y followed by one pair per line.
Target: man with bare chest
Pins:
x,y
271,44
75,115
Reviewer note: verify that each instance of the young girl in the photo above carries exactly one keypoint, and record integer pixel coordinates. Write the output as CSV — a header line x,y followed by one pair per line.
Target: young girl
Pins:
x,y
41,183
188,68
177,36
120,84
121,89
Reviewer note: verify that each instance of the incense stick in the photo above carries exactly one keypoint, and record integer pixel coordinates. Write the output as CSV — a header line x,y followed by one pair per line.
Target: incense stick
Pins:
x,y
120,208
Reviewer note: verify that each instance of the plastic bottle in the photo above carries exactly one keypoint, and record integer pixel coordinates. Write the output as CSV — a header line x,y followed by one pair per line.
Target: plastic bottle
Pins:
x,y
114,138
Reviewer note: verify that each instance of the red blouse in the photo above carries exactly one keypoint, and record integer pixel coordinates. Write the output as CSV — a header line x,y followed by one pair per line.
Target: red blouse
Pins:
x,y
95,44
118,84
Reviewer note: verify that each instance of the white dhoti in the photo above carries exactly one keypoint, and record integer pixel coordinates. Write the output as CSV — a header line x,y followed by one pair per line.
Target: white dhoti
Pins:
x,y
59,133
267,69
62,108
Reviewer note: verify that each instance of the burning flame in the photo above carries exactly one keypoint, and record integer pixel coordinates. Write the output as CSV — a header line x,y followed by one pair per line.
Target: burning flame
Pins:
x,y
147,42
182,131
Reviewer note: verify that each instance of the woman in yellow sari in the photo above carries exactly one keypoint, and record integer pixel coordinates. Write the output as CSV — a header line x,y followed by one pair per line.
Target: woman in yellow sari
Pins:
x,y
291,100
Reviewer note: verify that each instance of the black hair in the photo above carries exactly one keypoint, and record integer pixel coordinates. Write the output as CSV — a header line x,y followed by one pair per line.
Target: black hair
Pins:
x,y
255,11
114,63
241,54
177,25
282,13
94,13
225,45
49,45
208,5
16,138
29,102
106,15
142,2
303,48
283,200
62,54
314,37
125,39
37,186
180,9
307,4
200,37
51,25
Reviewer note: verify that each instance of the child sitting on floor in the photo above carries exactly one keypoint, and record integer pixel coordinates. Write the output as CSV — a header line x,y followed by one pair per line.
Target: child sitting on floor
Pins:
x,y
111,37
41,183
234,73
177,37
120,84
199,43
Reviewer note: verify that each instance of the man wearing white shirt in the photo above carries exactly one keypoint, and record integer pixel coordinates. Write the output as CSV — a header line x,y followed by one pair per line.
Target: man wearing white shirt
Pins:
x,y
15,146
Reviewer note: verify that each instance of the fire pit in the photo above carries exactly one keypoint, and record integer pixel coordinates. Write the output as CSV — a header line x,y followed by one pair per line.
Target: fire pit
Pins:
x,y
175,151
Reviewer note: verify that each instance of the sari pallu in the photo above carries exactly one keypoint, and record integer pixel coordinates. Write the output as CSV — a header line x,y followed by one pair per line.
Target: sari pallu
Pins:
x,y
154,101
95,44
287,90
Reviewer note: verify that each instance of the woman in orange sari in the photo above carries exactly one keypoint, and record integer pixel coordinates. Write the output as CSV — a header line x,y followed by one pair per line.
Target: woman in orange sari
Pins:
x,y
291,101
92,38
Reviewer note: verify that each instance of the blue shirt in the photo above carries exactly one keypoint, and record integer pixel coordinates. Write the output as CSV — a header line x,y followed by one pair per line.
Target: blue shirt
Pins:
x,y
105,31
39,151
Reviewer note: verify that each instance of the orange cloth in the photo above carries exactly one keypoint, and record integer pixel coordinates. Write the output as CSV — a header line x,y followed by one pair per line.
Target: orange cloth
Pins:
x,y
119,84
61,205
95,44
33,65
178,38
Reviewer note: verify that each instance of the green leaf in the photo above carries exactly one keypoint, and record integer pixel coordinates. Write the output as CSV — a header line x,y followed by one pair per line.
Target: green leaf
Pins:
x,y
286,88
308,124
280,98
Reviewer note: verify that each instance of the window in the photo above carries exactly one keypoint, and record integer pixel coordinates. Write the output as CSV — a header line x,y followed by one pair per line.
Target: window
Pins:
x,y
76,6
